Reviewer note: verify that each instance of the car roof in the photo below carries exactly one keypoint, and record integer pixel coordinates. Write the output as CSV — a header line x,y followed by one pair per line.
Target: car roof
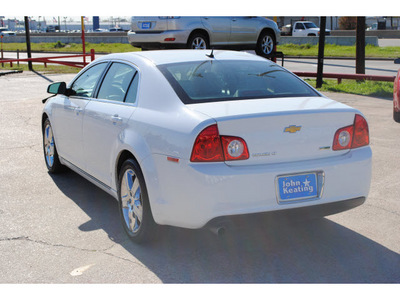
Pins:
x,y
160,57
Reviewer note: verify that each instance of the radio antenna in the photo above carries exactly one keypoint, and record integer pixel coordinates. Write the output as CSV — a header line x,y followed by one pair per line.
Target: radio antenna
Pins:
x,y
212,53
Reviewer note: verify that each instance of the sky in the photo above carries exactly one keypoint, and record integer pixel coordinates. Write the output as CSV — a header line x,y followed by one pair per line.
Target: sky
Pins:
x,y
206,7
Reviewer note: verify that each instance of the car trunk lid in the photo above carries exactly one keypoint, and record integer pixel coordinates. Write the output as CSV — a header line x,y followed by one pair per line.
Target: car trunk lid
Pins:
x,y
281,129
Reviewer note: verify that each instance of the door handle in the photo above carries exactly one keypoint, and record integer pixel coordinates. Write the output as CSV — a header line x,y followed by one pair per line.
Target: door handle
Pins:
x,y
78,110
116,119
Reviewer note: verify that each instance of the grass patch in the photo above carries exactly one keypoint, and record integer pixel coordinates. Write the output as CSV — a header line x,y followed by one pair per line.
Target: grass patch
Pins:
x,y
287,49
339,51
61,47
378,89
51,69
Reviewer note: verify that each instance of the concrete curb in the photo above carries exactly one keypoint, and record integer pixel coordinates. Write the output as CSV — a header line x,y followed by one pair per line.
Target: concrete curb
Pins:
x,y
10,72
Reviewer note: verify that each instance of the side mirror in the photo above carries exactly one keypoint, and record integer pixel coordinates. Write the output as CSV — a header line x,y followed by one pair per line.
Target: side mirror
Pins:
x,y
57,88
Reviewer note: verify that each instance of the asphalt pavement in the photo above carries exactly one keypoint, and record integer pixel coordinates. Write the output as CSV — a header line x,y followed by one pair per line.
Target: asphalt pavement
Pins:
x,y
63,229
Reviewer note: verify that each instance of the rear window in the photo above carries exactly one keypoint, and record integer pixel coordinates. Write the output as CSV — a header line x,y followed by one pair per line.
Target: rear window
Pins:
x,y
227,80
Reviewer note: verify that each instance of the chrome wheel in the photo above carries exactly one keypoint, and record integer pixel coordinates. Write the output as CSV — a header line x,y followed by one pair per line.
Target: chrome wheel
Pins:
x,y
131,201
267,44
199,43
49,146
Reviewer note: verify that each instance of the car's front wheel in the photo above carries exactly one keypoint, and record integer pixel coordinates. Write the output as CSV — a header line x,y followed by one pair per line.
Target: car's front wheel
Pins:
x,y
134,205
265,44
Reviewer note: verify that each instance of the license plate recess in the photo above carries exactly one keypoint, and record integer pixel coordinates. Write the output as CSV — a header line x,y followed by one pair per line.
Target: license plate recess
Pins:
x,y
146,25
298,187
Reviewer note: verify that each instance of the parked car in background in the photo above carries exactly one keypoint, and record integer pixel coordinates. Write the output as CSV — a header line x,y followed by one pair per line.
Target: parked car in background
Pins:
x,y
251,33
5,32
116,29
192,138
396,98
307,28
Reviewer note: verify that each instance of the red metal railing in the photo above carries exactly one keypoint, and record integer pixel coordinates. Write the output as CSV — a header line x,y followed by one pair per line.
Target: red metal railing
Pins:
x,y
339,76
54,60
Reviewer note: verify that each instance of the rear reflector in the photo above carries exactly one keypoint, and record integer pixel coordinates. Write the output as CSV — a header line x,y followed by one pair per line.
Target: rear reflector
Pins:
x,y
172,159
169,39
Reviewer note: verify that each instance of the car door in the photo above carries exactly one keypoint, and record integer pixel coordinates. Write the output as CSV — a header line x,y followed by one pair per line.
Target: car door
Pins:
x,y
107,117
243,30
220,29
68,115
299,30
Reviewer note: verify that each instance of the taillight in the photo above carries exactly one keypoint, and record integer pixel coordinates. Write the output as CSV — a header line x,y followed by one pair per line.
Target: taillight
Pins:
x,y
353,136
207,146
211,147
361,132
235,148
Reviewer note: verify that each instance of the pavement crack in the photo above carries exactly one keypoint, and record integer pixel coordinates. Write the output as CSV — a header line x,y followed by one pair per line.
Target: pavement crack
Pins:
x,y
103,251
28,239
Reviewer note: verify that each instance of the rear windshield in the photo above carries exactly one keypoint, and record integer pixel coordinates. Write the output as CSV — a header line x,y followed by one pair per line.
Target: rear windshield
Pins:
x,y
227,80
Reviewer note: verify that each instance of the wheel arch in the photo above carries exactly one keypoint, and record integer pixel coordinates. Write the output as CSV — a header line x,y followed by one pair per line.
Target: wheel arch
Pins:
x,y
122,157
44,118
199,30
269,30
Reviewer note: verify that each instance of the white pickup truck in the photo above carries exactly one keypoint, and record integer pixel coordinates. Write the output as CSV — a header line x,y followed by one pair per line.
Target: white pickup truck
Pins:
x,y
307,28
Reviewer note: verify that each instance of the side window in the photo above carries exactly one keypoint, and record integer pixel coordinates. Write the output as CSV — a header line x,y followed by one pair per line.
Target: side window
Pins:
x,y
131,96
86,83
116,82
299,26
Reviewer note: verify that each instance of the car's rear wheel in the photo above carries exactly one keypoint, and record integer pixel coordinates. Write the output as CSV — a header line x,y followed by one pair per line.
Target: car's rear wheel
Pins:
x,y
198,41
134,205
265,43
50,150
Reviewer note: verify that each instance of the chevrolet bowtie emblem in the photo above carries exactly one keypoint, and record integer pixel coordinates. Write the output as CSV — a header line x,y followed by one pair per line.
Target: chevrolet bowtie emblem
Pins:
x,y
292,129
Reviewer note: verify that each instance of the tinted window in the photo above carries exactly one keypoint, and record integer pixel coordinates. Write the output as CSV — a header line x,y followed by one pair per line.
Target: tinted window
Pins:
x,y
86,83
131,95
116,82
310,25
220,80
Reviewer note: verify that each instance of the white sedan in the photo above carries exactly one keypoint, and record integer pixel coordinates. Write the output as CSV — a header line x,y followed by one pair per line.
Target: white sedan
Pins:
x,y
192,138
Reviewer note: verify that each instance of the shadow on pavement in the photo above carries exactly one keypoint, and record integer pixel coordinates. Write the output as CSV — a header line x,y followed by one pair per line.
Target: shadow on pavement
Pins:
x,y
42,76
256,251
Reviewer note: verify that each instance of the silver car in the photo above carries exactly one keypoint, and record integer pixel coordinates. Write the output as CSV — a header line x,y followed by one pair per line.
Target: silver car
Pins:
x,y
240,33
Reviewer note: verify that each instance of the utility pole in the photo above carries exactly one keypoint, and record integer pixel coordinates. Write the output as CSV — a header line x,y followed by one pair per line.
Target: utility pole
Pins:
x,y
28,42
360,46
321,48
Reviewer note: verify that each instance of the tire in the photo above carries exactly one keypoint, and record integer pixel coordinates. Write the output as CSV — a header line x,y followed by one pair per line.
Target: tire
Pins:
x,y
134,205
265,43
198,41
396,116
50,150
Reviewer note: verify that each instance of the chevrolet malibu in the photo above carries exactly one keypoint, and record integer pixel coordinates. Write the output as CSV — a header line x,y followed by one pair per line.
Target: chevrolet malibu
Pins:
x,y
191,138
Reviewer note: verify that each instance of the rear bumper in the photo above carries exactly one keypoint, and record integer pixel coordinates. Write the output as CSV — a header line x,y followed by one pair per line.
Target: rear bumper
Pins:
x,y
293,214
156,40
191,195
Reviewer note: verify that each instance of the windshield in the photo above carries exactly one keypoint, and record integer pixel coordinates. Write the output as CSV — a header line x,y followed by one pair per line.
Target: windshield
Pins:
x,y
223,80
310,25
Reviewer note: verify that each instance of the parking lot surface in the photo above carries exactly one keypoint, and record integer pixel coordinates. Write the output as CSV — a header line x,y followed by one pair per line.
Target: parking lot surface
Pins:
x,y
63,229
